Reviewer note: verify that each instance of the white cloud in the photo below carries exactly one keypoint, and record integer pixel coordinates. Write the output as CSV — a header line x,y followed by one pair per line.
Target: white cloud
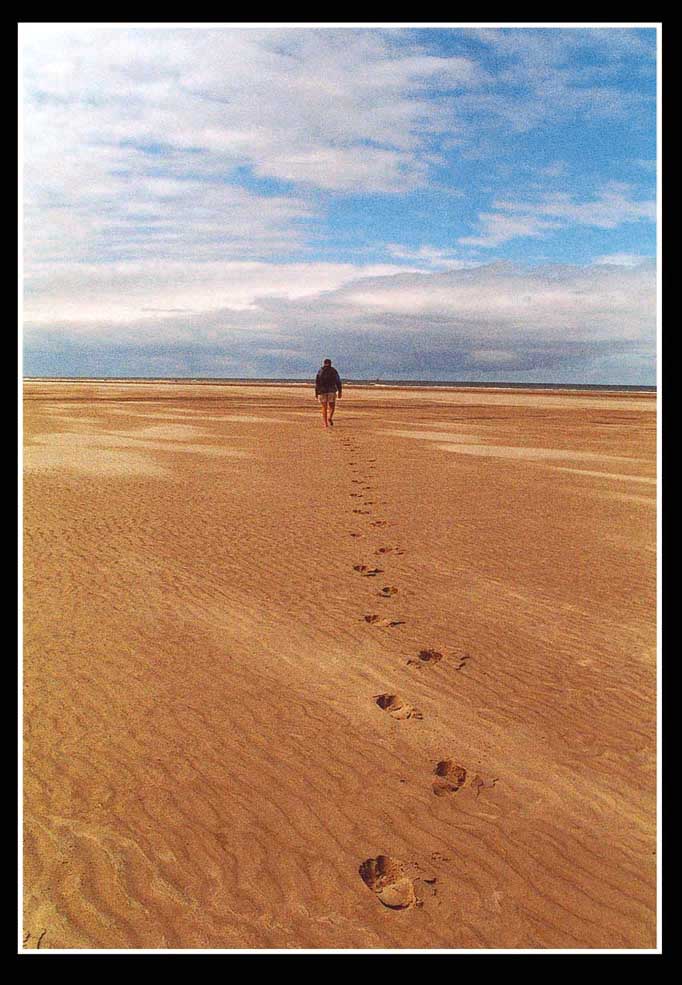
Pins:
x,y
646,164
557,169
496,228
298,105
125,292
430,257
621,260
539,48
130,216
373,169
611,208
133,138
503,300
544,76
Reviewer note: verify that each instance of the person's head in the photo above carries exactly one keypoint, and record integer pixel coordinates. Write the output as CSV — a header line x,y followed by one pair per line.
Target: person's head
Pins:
x,y
327,362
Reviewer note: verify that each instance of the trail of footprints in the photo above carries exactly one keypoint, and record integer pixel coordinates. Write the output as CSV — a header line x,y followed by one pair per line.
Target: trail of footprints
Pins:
x,y
396,885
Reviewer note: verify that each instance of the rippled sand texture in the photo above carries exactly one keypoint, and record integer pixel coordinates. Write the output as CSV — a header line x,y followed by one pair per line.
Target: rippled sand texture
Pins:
x,y
386,686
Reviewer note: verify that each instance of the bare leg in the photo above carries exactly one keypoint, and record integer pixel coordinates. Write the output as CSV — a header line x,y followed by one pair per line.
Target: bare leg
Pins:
x,y
331,409
324,412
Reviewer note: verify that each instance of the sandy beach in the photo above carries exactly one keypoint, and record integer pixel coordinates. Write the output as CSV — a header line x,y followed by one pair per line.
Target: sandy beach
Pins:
x,y
391,685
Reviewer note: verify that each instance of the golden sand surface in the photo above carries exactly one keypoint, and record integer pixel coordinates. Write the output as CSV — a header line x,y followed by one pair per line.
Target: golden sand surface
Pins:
x,y
391,685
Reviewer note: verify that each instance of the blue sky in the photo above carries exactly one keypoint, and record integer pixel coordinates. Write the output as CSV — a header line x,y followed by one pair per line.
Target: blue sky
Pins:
x,y
474,203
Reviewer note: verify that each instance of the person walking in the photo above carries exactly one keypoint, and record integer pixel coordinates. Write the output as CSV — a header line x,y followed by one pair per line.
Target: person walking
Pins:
x,y
327,385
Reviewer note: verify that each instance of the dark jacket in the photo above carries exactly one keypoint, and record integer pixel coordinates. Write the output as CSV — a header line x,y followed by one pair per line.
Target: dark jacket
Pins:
x,y
327,381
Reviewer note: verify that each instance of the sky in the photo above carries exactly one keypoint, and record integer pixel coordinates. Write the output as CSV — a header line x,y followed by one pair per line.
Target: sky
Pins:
x,y
469,203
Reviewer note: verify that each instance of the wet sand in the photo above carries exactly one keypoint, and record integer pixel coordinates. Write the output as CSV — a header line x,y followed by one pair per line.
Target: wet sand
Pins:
x,y
391,685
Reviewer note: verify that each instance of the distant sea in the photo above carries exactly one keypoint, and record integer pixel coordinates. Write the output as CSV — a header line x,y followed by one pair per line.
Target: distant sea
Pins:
x,y
424,384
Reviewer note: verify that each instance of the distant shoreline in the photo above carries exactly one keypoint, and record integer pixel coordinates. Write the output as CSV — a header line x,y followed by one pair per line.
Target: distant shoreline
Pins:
x,y
379,384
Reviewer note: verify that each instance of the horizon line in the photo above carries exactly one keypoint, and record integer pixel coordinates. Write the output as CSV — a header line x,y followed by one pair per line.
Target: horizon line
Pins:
x,y
384,381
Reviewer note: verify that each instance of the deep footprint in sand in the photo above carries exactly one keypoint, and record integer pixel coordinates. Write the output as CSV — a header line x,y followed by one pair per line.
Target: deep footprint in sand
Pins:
x,y
396,706
375,619
379,523
426,657
387,591
367,572
386,877
450,777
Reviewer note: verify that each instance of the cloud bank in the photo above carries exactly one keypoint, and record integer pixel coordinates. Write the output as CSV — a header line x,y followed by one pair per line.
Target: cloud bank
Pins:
x,y
479,323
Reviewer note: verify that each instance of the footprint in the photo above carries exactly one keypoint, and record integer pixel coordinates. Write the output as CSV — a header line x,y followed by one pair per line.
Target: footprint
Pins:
x,y
367,572
425,883
365,512
439,857
430,656
384,550
449,777
427,657
463,661
386,877
388,623
480,783
396,706
387,591
378,523
39,940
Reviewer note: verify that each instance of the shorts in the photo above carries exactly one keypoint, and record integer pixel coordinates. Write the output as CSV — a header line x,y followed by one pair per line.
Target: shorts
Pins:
x,y
327,398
